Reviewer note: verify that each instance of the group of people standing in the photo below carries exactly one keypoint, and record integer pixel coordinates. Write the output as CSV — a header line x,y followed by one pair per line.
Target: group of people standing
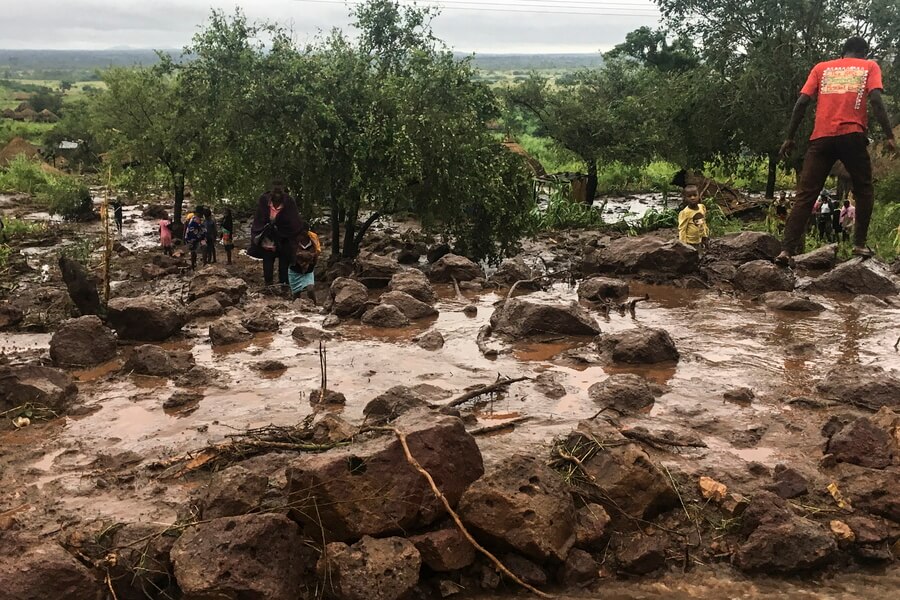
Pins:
x,y
201,234
833,221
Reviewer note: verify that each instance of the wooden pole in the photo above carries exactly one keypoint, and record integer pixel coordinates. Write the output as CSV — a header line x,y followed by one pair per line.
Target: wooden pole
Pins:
x,y
107,242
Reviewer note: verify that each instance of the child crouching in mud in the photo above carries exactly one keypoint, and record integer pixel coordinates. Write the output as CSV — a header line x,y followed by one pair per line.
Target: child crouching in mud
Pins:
x,y
692,227
301,274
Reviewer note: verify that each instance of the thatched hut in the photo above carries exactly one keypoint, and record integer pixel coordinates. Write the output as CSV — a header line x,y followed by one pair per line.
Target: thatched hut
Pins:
x,y
24,106
22,96
46,116
8,113
17,147
534,164
26,115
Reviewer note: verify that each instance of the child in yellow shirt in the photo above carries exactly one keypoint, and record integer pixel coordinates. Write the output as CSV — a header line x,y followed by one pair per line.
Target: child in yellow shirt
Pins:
x,y
692,228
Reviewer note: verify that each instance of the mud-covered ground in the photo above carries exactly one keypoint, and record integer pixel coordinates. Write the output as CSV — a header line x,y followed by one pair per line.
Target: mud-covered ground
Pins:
x,y
747,385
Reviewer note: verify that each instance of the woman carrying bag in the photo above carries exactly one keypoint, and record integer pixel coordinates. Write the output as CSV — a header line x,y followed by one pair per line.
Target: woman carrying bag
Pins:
x,y
274,232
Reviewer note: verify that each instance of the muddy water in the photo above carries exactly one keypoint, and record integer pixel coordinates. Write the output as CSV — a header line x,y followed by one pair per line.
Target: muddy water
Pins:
x,y
725,342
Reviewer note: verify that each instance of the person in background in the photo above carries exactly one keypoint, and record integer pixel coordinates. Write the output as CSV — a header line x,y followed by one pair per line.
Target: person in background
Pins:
x,y
165,235
841,88
118,215
836,219
194,236
847,218
692,228
302,271
274,232
212,235
823,217
228,234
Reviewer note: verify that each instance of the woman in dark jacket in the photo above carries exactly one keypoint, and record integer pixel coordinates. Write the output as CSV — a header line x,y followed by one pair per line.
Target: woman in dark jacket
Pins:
x,y
276,226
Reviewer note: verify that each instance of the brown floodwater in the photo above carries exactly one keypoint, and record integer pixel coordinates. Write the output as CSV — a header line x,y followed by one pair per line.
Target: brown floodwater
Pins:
x,y
725,342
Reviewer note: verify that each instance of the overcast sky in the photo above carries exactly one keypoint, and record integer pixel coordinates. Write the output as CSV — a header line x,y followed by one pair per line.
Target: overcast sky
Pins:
x,y
550,26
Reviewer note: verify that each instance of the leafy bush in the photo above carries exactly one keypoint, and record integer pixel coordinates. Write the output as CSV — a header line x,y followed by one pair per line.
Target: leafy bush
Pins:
x,y
22,175
887,188
67,197
561,212
15,229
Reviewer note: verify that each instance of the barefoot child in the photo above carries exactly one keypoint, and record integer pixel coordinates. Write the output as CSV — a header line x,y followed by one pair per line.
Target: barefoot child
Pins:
x,y
301,273
165,236
228,234
692,228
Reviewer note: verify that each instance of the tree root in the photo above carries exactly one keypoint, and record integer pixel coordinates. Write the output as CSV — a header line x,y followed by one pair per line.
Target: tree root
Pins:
x,y
462,528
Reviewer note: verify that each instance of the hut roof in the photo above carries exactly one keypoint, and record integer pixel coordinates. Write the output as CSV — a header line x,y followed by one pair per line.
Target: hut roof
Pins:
x,y
26,115
21,96
8,113
534,164
24,106
47,116
17,146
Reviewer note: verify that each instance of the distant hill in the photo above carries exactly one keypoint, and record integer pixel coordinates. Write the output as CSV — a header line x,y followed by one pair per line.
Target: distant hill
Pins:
x,y
537,62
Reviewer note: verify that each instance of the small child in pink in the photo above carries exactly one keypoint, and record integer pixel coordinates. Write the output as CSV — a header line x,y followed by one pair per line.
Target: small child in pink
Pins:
x,y
165,236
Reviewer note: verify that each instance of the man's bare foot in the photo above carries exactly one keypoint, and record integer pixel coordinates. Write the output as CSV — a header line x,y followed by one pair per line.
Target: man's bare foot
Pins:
x,y
783,259
863,252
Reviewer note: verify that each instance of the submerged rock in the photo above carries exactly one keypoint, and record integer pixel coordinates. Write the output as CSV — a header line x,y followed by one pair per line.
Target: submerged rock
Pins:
x,y
414,283
790,301
371,569
642,345
145,318
625,393
82,342
523,317
452,266
642,254
153,360
603,288
524,505
386,316
856,276
431,341
760,276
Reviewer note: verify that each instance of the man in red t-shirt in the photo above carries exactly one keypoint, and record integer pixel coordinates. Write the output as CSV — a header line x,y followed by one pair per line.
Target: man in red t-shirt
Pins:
x,y
841,88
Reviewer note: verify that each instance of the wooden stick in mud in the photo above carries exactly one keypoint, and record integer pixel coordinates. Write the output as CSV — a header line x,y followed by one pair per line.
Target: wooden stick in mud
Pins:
x,y
500,426
485,389
323,370
462,528
459,294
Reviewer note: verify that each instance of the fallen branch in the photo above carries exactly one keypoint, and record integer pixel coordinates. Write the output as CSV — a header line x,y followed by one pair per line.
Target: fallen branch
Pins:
x,y
485,389
481,341
459,294
462,528
509,294
499,426
642,435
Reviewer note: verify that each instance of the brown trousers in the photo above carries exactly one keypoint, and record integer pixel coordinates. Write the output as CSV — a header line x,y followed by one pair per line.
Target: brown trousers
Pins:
x,y
851,150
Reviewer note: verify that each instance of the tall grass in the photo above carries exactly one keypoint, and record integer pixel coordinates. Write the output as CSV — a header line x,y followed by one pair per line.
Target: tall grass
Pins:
x,y
63,195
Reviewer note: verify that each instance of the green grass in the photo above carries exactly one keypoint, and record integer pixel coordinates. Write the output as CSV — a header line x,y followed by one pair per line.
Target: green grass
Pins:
x,y
33,132
17,229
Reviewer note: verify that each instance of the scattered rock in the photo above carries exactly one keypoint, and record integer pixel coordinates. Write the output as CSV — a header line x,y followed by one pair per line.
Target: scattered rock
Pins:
x,y
153,360
759,276
549,385
790,301
471,311
643,254
862,443
712,489
856,277
641,554
183,401
331,321
445,549
523,317
43,387
821,259
260,321
590,527
370,489
385,316
216,281
580,569
374,270
145,318
790,546
207,306
437,252
331,429
431,341
410,253
452,266
524,569
872,491
371,569
869,386
603,288
642,345
739,395
347,297
227,331
81,342
305,335
414,283
149,272
251,556
409,306
512,270
746,246
625,393
270,366
330,397
841,531
35,570
789,483
141,561
232,492
391,404
524,505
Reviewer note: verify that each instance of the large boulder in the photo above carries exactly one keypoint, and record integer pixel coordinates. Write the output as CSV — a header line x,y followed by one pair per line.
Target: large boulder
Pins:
x,y
35,570
621,477
790,301
385,316
525,505
408,305
414,283
215,281
625,393
856,276
599,289
227,331
643,254
81,342
82,286
153,360
252,556
453,266
523,317
820,259
791,546
869,386
40,386
232,492
642,345
371,569
207,306
759,276
862,443
347,297
370,489
745,246
375,271
145,318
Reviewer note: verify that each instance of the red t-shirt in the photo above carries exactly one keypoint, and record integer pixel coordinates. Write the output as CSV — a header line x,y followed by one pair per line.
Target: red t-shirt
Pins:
x,y
841,88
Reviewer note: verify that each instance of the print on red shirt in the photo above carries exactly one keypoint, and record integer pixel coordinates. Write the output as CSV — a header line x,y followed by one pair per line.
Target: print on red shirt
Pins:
x,y
841,88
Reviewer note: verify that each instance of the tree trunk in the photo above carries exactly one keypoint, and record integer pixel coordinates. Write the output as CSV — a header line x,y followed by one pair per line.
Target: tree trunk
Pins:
x,y
591,191
178,180
773,174
350,248
335,229
363,229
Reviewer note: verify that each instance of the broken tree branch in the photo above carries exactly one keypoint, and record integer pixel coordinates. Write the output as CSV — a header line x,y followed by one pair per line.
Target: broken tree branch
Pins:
x,y
656,441
462,528
499,426
485,389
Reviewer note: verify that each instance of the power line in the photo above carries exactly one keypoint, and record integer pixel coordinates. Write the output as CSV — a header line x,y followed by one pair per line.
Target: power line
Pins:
x,y
560,9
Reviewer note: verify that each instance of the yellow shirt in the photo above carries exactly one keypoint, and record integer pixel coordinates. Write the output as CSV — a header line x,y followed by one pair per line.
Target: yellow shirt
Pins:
x,y
692,226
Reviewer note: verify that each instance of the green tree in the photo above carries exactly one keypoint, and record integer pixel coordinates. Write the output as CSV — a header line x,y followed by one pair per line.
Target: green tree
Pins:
x,y
653,49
